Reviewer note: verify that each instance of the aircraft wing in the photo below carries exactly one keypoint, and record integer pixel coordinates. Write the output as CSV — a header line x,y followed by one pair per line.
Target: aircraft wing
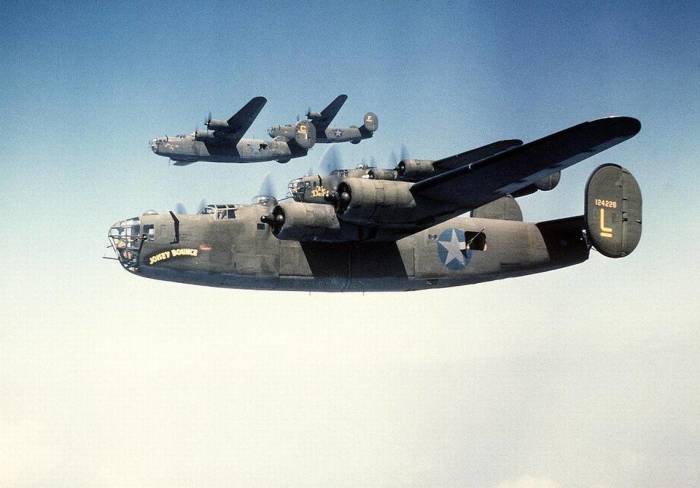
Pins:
x,y
241,121
474,155
329,113
474,184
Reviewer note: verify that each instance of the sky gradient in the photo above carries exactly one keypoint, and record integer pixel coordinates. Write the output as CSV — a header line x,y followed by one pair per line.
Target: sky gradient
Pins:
x,y
109,380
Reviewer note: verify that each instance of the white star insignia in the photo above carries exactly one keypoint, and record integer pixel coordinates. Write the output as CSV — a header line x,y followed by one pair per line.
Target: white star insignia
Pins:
x,y
454,250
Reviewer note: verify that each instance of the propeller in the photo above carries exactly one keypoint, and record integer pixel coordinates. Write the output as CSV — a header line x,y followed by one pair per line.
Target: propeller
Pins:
x,y
392,159
208,119
342,198
330,161
202,205
275,219
180,209
267,187
404,152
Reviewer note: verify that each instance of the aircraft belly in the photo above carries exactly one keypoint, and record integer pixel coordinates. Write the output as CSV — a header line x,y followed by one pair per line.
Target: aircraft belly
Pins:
x,y
239,254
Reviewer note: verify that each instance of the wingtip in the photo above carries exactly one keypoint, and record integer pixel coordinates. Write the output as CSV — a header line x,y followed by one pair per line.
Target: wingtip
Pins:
x,y
621,125
634,125
627,125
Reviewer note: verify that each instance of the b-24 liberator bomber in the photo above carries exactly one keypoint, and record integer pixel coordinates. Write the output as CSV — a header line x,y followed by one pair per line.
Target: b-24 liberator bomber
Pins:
x,y
326,134
223,142
425,224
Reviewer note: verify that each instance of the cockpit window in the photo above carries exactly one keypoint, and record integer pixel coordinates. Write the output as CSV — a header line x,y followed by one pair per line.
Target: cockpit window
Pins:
x,y
150,231
221,212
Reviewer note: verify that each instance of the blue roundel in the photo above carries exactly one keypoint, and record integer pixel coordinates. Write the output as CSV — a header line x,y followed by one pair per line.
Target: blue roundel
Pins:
x,y
452,249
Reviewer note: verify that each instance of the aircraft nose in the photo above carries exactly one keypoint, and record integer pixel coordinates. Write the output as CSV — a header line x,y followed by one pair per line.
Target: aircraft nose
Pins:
x,y
154,145
125,239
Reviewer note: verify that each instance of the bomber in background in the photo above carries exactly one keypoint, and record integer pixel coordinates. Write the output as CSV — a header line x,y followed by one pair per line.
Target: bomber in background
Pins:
x,y
326,134
424,224
223,142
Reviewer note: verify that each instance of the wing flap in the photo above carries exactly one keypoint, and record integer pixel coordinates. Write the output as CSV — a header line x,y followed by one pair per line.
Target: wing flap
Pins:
x,y
474,184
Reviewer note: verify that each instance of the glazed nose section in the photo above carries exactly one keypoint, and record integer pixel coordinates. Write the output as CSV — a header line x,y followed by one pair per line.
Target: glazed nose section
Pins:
x,y
155,143
125,238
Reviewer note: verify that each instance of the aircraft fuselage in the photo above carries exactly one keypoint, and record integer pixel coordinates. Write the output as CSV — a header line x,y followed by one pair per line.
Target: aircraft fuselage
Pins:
x,y
188,149
330,135
232,248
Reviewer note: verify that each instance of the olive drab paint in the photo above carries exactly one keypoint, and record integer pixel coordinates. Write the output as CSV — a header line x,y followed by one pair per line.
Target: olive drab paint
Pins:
x,y
370,229
613,211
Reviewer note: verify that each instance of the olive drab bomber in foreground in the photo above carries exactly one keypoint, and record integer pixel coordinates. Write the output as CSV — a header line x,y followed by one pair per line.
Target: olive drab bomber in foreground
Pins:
x,y
369,229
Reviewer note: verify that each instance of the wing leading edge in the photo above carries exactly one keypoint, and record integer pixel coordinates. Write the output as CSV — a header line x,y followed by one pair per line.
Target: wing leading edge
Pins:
x,y
475,184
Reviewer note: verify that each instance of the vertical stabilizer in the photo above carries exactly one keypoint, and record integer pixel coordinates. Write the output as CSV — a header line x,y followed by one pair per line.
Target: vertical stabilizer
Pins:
x,y
613,212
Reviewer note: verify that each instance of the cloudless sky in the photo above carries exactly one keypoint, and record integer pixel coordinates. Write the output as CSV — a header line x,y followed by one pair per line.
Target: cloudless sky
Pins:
x,y
581,377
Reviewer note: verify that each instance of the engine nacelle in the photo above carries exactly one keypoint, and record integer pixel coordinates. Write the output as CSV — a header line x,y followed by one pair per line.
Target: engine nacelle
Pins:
x,y
548,182
364,200
415,169
545,184
213,124
305,134
204,135
382,174
370,122
285,131
301,221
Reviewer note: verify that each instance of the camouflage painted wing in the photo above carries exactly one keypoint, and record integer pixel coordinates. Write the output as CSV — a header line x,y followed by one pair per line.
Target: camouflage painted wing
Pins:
x,y
329,113
241,121
478,183
475,155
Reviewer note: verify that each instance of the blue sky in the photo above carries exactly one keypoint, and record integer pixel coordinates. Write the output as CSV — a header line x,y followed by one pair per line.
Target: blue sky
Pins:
x,y
85,86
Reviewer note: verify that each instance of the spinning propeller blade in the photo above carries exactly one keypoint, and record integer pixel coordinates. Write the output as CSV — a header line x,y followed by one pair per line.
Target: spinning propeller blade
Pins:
x,y
330,161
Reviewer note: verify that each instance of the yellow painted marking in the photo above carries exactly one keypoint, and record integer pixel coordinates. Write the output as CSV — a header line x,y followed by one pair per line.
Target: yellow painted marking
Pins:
x,y
599,202
604,231
172,253
319,191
